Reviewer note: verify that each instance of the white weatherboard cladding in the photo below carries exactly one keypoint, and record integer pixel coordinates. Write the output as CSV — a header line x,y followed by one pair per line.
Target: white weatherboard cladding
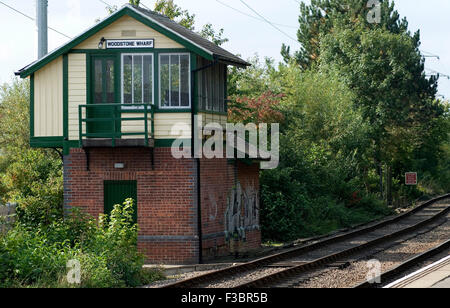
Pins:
x,y
122,29
48,100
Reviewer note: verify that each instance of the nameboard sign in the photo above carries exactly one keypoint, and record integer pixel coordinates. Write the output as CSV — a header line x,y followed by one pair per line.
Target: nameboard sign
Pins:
x,y
116,44
411,178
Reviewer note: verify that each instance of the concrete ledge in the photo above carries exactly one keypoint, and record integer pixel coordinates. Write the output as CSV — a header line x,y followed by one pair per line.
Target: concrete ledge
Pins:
x,y
435,275
173,270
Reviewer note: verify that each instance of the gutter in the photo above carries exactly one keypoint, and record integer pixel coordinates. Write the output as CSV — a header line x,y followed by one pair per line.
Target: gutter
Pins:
x,y
193,128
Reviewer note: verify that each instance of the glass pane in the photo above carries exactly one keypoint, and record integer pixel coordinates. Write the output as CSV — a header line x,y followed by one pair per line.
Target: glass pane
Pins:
x,y
175,81
137,79
185,71
209,102
127,96
164,80
148,80
217,87
204,90
98,73
110,97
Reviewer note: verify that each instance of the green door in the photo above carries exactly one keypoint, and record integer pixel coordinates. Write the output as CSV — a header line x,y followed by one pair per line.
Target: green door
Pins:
x,y
116,192
103,91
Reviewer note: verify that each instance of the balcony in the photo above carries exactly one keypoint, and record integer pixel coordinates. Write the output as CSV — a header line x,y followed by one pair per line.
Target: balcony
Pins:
x,y
116,125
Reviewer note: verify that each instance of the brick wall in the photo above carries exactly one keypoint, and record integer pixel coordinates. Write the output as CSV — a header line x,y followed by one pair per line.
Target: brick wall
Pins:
x,y
226,225
167,217
167,205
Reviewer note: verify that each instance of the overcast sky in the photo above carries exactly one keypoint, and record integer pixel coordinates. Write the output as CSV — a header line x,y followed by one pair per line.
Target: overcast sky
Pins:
x,y
247,35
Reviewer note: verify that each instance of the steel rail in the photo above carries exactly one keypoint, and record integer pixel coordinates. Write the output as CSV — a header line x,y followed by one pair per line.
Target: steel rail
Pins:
x,y
291,272
237,269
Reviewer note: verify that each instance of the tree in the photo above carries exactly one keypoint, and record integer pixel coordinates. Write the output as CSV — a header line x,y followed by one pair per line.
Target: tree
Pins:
x,y
32,177
173,11
386,72
321,17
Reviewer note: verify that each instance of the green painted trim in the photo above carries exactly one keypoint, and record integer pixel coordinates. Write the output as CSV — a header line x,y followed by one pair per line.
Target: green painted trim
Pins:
x,y
31,106
47,142
156,81
194,83
167,143
88,79
226,89
108,21
65,100
213,112
130,50
159,111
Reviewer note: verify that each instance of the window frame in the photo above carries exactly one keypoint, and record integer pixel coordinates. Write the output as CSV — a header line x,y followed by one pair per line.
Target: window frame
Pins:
x,y
122,64
170,54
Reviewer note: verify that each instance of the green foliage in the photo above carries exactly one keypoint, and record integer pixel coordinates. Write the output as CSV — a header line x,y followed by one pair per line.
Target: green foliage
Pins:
x,y
321,17
32,178
212,35
107,252
35,182
320,184
262,109
14,120
176,13
254,80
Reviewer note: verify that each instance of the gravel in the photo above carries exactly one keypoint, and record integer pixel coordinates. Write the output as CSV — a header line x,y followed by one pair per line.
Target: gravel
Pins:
x,y
391,257
244,278
177,278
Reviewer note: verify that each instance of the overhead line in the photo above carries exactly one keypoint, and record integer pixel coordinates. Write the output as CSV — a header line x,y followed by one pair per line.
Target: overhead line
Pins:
x,y
438,73
270,23
251,16
33,19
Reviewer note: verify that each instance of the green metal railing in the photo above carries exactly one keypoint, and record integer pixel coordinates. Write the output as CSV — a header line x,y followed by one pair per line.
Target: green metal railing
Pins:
x,y
112,114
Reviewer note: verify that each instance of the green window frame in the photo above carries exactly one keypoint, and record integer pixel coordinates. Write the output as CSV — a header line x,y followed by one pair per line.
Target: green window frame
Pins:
x,y
174,81
140,70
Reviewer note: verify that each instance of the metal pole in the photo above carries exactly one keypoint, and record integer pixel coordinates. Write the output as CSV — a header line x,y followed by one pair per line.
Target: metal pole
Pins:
x,y
42,27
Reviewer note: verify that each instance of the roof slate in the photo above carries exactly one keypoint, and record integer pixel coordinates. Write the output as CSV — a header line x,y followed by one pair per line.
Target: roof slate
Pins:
x,y
219,52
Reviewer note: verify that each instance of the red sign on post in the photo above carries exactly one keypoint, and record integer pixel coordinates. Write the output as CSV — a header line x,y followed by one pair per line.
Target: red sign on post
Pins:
x,y
411,178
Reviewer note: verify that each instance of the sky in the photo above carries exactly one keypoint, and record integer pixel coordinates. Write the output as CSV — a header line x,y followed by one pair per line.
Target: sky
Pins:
x,y
248,35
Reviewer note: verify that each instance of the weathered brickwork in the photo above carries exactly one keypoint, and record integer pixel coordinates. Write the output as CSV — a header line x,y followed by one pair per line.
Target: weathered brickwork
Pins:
x,y
167,200
230,207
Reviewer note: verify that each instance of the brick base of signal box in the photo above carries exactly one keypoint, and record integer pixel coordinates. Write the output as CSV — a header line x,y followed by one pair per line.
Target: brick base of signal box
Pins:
x,y
167,200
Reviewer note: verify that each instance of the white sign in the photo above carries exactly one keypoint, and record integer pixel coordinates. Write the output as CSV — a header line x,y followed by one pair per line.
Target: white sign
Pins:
x,y
115,44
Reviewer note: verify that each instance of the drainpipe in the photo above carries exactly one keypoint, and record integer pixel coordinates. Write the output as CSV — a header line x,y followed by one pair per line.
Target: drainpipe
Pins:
x,y
194,110
42,27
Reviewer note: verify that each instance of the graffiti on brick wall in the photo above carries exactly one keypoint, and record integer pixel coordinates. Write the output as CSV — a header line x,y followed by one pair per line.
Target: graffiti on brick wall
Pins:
x,y
242,213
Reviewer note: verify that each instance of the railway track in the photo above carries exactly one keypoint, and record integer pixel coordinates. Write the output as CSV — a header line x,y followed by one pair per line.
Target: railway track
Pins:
x,y
281,269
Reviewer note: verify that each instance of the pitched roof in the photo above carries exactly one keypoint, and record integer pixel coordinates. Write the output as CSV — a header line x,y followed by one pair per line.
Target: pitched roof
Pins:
x,y
160,23
217,51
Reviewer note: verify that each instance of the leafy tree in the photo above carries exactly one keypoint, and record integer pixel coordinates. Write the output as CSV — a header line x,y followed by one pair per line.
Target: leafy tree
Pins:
x,y
14,120
214,36
254,80
176,13
262,109
31,177
386,72
321,17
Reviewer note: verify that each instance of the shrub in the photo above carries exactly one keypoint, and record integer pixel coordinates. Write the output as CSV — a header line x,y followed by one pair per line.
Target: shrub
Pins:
x,y
35,182
107,252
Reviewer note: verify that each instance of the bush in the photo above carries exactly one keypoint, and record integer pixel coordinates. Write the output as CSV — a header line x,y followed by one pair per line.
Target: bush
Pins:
x,y
35,182
106,250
